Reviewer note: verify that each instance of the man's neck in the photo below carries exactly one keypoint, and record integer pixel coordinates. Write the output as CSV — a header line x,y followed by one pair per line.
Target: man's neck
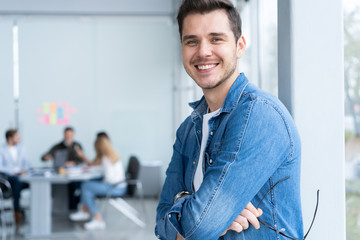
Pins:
x,y
10,144
68,144
215,97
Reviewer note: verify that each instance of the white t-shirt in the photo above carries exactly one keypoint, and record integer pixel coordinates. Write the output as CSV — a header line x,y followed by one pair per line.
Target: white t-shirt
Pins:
x,y
13,153
199,175
14,156
113,172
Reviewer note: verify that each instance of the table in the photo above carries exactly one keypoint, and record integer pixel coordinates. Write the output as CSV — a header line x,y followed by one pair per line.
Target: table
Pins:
x,y
40,200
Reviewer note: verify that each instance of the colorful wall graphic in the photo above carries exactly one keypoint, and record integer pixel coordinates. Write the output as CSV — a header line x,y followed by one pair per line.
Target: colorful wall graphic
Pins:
x,y
55,113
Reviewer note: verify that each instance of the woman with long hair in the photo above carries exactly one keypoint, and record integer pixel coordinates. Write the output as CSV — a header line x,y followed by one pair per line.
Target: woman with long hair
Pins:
x,y
113,173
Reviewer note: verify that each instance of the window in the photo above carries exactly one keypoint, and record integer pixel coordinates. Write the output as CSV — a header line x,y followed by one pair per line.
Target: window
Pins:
x,y
352,116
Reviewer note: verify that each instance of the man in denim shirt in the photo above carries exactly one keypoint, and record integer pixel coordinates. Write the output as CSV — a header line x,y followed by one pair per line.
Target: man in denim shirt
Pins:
x,y
246,153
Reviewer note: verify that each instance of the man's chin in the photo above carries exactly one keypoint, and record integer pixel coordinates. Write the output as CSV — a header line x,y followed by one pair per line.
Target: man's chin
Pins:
x,y
208,84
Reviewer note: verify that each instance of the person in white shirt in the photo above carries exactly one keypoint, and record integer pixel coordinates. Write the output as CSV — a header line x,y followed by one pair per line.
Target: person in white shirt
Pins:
x,y
113,173
13,163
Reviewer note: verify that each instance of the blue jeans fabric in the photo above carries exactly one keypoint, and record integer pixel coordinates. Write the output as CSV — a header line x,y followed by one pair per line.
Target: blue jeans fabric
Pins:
x,y
17,186
91,189
253,143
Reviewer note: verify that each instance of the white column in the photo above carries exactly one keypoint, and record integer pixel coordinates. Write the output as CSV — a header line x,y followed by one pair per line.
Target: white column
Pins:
x,y
40,215
311,84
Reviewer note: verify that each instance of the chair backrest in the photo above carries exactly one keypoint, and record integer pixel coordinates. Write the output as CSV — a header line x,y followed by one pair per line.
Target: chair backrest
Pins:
x,y
5,186
132,173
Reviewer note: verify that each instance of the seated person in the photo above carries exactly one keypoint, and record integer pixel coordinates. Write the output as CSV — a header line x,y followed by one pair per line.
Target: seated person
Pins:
x,y
97,160
102,134
67,146
113,173
13,163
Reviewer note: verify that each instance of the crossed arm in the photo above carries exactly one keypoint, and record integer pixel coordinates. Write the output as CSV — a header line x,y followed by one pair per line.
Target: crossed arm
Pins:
x,y
248,215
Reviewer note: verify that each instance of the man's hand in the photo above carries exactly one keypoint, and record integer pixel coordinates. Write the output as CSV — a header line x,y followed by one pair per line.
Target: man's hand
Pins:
x,y
70,164
47,157
179,237
79,152
248,215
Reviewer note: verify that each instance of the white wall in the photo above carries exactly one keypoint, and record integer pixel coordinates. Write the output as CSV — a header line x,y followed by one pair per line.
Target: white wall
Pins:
x,y
116,71
7,117
102,7
313,37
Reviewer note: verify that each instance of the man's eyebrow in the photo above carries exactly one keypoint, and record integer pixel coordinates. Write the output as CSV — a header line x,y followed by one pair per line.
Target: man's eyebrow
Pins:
x,y
213,34
216,34
186,37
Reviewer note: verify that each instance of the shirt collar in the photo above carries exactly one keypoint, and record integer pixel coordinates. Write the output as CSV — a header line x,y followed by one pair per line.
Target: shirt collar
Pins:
x,y
232,98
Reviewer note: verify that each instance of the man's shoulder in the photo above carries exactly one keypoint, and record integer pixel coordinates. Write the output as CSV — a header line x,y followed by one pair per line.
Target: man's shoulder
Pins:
x,y
19,146
76,143
186,122
185,126
58,145
2,148
254,94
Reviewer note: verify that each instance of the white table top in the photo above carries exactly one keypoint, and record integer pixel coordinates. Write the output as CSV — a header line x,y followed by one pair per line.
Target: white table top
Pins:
x,y
72,174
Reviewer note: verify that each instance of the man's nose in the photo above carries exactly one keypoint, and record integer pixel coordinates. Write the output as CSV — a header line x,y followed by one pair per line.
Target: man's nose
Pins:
x,y
205,49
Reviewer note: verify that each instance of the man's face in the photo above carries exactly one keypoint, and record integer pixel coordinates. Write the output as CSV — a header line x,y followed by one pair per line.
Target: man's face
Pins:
x,y
69,137
210,52
16,138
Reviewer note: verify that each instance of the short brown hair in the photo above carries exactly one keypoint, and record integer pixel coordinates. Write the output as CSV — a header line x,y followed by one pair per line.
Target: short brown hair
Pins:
x,y
205,6
10,133
69,129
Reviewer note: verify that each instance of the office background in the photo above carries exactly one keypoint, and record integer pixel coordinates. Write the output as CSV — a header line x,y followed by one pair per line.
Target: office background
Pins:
x,y
133,85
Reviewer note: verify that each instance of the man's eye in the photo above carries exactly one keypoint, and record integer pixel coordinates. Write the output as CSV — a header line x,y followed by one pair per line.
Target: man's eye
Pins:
x,y
216,39
191,42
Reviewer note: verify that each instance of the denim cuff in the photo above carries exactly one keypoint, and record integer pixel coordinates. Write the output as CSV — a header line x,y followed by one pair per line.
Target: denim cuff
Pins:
x,y
174,215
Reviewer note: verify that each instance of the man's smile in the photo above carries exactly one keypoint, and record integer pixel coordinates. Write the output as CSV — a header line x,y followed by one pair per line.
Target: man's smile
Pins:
x,y
206,66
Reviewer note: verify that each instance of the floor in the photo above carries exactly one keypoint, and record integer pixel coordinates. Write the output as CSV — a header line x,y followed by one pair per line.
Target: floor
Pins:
x,y
118,226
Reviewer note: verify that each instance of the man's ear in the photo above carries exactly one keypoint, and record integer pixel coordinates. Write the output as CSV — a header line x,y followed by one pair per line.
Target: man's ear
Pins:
x,y
240,46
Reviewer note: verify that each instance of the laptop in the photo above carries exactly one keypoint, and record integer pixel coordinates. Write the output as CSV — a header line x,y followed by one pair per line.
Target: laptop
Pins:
x,y
60,157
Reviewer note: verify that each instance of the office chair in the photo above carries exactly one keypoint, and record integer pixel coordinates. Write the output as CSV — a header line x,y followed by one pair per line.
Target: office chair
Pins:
x,y
6,209
134,187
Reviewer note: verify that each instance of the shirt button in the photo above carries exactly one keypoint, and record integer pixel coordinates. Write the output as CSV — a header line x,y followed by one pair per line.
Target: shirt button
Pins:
x,y
211,133
210,161
198,131
169,215
194,162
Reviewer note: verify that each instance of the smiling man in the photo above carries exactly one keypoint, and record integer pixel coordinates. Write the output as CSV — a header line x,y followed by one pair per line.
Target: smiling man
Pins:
x,y
238,149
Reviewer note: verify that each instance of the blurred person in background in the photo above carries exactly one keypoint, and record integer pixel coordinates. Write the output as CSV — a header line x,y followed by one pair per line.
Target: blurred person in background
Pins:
x,y
69,145
13,163
113,171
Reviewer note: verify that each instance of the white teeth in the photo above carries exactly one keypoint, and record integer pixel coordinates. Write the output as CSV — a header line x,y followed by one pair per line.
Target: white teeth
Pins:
x,y
204,67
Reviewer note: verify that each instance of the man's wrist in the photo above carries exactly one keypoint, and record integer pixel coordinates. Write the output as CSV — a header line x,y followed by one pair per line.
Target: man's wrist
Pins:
x,y
180,195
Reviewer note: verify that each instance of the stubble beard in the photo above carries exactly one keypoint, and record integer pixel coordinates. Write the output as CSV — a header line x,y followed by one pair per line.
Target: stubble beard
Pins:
x,y
229,71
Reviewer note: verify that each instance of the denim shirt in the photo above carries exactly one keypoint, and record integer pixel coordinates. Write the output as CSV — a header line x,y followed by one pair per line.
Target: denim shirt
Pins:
x,y
253,144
